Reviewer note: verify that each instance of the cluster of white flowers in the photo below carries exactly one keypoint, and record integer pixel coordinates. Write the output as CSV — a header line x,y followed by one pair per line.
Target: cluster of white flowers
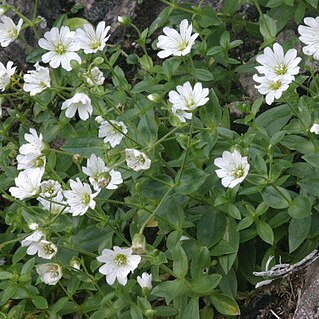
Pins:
x,y
278,71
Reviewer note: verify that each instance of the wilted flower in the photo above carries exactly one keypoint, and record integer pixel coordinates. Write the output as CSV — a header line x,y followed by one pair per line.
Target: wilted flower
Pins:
x,y
79,102
62,46
49,273
187,99
91,40
145,281
112,131
32,242
118,263
100,176
174,43
94,77
233,168
137,160
80,197
6,73
315,128
37,80
273,89
8,30
309,35
27,183
277,65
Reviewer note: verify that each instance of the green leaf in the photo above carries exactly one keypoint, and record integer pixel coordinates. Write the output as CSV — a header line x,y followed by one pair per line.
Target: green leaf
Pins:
x,y
313,3
165,311
170,289
265,232
204,75
245,223
312,159
180,263
5,275
211,113
191,180
19,254
200,261
160,20
84,146
276,197
205,284
225,304
40,302
135,312
300,207
191,311
75,23
211,227
298,232
267,27
209,18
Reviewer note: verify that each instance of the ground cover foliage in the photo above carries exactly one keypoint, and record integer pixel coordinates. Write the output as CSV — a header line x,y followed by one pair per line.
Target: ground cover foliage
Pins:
x,y
142,196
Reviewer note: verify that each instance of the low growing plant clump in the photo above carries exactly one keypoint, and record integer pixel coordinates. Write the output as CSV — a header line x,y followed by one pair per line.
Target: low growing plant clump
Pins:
x,y
144,197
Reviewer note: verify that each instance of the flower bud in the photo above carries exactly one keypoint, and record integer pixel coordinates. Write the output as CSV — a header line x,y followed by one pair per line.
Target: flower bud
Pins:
x,y
77,158
139,243
98,60
75,263
126,21
154,97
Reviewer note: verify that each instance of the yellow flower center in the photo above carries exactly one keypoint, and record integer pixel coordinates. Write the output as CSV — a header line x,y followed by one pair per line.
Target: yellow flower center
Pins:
x,y
281,69
104,179
54,271
48,249
13,33
60,49
182,45
120,260
239,172
39,162
275,85
95,44
141,159
86,198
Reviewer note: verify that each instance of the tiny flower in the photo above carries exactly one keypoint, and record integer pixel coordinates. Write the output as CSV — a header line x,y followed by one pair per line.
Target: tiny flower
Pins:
x,y
50,188
36,80
32,242
309,35
187,99
8,30
94,77
46,249
62,46
137,160
2,261
174,43
34,145
80,197
100,176
43,22
49,273
145,281
33,226
118,263
273,89
75,263
233,168
6,72
79,102
91,40
278,65
27,183
315,128
126,21
112,131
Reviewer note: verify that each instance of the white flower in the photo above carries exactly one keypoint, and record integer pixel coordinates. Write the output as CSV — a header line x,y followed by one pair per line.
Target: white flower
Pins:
x,y
80,197
91,40
50,188
315,128
79,102
27,183
309,35
174,43
112,131
6,73
100,176
31,160
62,46
137,160
118,263
49,273
8,30
94,77
277,65
46,249
32,242
187,99
233,168
145,281
37,80
273,89
54,205
34,145
2,261
33,226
